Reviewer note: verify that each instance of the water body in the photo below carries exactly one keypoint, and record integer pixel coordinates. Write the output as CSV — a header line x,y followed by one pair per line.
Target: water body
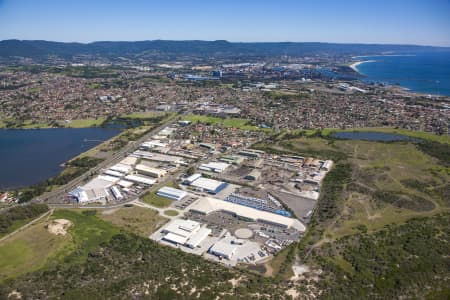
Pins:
x,y
29,156
427,73
371,136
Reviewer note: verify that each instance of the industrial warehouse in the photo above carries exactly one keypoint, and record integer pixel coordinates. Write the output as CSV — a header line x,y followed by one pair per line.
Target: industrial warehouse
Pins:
x,y
234,206
207,205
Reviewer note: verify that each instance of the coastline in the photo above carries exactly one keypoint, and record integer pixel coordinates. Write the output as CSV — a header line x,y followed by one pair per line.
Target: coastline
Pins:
x,y
355,65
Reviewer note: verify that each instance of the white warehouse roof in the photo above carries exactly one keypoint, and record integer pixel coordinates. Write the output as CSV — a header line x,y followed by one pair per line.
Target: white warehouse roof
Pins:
x,y
121,168
224,247
125,183
192,178
97,183
113,173
207,205
207,184
186,232
174,238
171,193
140,179
151,171
184,228
217,167
108,178
198,237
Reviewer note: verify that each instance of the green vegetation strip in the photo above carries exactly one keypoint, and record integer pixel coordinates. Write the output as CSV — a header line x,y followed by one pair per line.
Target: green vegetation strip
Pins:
x,y
15,217
401,261
171,213
138,220
131,263
155,200
87,233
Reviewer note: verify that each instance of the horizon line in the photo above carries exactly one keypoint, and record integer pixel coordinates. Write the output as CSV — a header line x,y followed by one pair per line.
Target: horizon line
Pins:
x,y
222,40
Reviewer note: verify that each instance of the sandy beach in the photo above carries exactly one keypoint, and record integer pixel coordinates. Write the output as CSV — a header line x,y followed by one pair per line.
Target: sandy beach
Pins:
x,y
357,63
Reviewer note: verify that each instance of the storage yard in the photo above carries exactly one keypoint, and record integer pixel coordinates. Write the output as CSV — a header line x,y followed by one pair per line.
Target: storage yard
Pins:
x,y
232,204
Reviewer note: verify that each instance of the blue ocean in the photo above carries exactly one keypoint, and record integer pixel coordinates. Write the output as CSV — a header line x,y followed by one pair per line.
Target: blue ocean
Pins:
x,y
427,73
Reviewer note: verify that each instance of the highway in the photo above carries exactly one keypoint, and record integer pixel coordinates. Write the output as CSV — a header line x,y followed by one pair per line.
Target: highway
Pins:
x,y
56,196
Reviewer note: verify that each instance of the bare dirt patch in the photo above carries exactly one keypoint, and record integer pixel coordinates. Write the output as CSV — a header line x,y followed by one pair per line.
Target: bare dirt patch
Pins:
x,y
59,226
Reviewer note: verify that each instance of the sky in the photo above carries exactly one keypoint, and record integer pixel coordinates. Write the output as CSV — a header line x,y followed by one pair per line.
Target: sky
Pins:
x,y
425,22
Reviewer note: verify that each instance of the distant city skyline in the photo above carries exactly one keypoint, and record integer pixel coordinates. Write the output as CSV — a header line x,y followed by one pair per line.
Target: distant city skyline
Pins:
x,y
383,22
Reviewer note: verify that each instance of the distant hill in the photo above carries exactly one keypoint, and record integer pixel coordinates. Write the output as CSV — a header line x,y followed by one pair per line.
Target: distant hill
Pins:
x,y
42,49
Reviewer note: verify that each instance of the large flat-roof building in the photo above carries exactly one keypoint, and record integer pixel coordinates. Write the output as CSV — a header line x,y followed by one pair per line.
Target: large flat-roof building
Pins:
x,y
217,167
209,185
185,232
122,168
207,205
171,193
89,195
140,179
154,172
192,178
224,248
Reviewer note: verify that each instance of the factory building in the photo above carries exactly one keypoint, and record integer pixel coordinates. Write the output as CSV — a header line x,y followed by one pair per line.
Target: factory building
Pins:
x,y
253,175
125,183
257,203
235,160
113,173
224,248
153,144
191,179
154,172
216,167
185,232
122,168
251,154
195,240
208,185
140,179
171,193
116,193
89,195
208,205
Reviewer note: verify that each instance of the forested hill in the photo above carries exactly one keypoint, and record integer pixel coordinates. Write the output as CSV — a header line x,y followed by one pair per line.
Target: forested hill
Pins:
x,y
37,49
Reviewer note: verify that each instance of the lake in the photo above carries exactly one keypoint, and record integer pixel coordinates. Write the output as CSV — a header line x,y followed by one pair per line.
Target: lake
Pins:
x,y
29,156
371,136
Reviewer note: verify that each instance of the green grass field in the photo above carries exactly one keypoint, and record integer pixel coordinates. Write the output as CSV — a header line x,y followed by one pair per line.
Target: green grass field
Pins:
x,y
171,213
35,248
229,122
141,221
27,124
153,199
15,225
141,115
29,250
87,233
378,167
390,184
83,123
